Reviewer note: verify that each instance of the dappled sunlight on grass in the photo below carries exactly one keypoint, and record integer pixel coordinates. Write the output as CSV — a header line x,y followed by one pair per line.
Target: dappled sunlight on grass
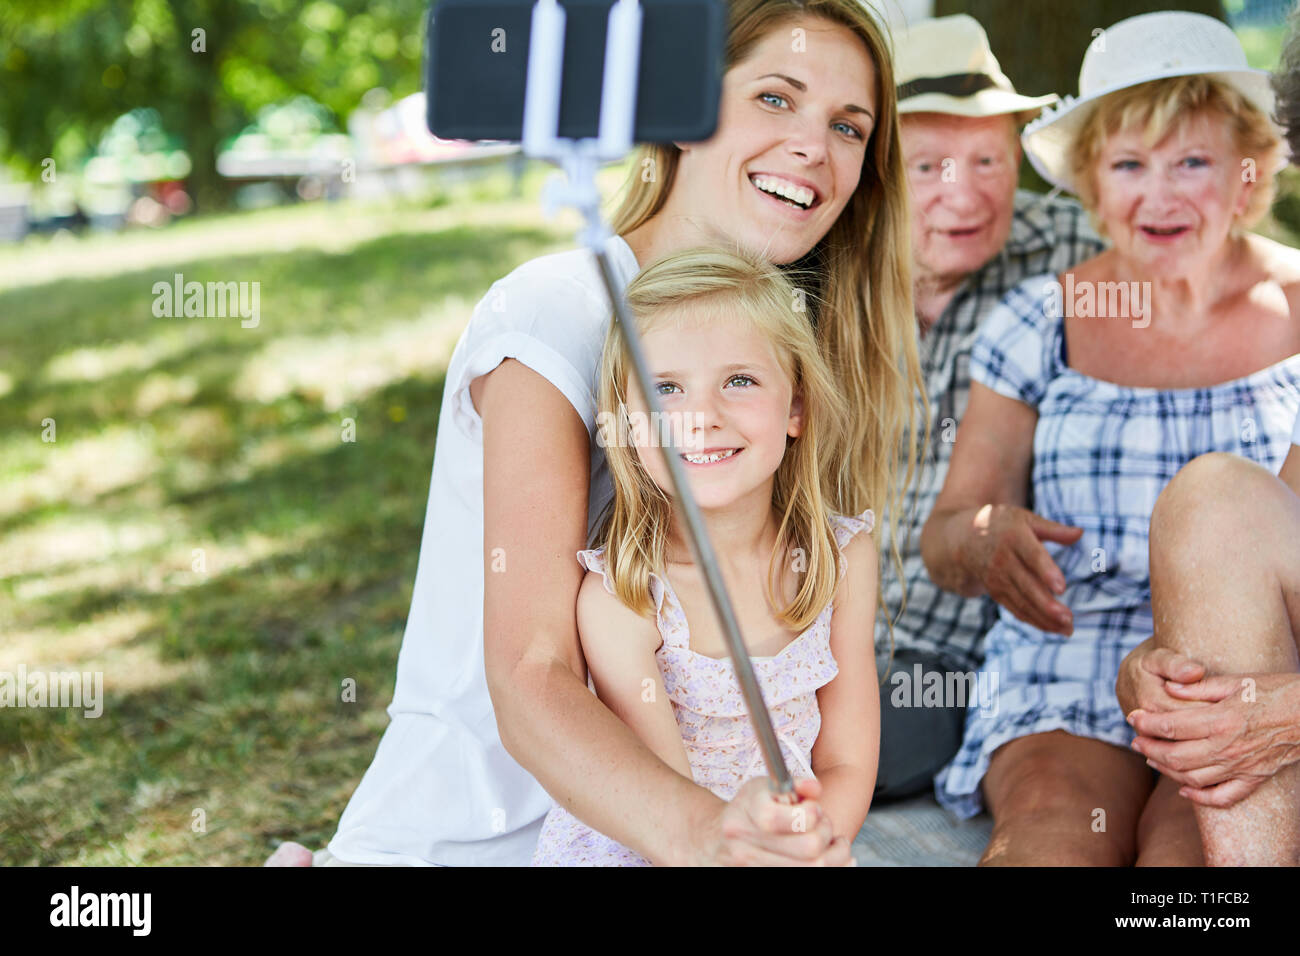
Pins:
x,y
76,471
102,644
342,367
72,541
80,646
91,364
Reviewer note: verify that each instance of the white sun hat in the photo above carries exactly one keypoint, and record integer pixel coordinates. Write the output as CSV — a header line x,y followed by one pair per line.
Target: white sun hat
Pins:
x,y
1152,46
945,65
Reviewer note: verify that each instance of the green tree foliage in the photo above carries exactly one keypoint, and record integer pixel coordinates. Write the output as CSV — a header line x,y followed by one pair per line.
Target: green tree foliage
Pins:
x,y
68,68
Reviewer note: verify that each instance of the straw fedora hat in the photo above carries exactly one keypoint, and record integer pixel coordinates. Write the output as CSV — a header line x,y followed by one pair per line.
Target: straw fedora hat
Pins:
x,y
1152,46
944,65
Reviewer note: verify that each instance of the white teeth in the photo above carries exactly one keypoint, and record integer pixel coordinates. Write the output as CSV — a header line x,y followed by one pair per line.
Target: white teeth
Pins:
x,y
786,190
708,459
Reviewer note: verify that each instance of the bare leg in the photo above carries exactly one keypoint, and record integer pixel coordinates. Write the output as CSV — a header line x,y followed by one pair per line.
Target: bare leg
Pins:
x,y
1045,791
1167,833
1225,590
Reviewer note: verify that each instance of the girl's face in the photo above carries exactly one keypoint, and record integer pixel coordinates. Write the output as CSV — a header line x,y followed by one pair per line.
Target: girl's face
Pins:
x,y
792,136
1170,206
729,405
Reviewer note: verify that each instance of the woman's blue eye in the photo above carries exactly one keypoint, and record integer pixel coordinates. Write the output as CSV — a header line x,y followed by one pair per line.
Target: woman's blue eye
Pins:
x,y
1126,164
762,96
852,131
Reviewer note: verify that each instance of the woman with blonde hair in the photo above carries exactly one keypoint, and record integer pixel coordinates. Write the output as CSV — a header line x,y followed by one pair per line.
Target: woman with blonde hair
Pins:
x,y
1093,388
491,708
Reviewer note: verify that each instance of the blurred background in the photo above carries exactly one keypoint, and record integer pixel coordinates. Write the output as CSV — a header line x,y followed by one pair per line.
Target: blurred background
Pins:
x,y
223,519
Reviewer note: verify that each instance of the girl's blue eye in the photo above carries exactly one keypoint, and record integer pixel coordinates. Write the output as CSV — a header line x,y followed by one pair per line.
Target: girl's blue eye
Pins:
x,y
740,378
661,386
1196,162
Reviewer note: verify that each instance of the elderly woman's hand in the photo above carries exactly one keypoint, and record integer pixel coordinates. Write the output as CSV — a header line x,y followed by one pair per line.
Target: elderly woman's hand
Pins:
x,y
1245,729
1143,675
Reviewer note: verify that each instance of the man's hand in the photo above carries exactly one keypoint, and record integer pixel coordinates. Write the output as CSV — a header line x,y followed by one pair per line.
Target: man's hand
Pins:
x,y
1238,731
1005,552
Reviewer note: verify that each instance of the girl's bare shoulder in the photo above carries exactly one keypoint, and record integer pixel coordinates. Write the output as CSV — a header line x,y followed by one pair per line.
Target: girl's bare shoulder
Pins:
x,y
602,615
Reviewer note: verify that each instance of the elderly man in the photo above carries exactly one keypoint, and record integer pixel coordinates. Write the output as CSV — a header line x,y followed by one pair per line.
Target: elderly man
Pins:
x,y
974,236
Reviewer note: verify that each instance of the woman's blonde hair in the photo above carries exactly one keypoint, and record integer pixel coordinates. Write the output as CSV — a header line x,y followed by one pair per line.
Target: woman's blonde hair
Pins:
x,y
701,285
857,279
1158,108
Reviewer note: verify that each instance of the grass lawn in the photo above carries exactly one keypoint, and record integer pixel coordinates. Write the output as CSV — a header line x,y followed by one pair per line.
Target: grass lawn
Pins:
x,y
200,531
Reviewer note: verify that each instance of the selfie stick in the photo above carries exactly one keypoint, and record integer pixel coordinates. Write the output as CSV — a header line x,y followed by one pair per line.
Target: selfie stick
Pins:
x,y
580,159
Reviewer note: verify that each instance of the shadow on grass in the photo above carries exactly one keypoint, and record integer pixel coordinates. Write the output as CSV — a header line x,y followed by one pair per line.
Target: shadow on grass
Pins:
x,y
292,624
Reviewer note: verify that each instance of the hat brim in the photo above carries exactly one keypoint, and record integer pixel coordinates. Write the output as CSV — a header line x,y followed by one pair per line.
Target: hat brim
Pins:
x,y
1047,141
988,102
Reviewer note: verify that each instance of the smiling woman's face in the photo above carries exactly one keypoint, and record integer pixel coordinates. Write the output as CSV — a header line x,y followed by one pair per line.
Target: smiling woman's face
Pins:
x,y
1169,207
792,136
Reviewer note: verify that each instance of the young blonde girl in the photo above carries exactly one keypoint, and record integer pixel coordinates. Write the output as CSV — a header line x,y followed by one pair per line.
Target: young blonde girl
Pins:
x,y
762,431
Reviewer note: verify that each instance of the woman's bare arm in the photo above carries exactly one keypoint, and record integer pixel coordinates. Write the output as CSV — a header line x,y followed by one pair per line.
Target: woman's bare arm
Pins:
x,y
980,538
536,458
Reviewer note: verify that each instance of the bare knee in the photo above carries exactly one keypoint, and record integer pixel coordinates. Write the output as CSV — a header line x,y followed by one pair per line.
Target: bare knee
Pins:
x,y
1048,803
1042,780
1205,499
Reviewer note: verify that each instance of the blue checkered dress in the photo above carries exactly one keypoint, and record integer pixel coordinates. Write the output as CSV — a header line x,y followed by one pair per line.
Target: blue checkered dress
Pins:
x,y
1102,453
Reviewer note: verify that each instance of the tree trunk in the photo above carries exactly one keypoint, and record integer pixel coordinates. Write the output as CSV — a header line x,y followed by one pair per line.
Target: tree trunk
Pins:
x,y
1040,43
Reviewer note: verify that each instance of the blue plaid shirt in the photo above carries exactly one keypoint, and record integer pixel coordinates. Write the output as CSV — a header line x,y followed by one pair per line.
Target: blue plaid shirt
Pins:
x,y
1047,235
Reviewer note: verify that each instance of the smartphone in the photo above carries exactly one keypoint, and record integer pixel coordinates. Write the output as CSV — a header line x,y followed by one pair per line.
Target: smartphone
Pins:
x,y
476,63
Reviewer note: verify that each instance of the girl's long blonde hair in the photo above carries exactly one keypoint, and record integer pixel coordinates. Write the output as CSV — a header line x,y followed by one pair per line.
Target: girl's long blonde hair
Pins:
x,y
858,278
709,282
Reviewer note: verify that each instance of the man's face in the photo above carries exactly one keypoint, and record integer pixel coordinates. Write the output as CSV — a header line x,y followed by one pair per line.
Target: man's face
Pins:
x,y
962,172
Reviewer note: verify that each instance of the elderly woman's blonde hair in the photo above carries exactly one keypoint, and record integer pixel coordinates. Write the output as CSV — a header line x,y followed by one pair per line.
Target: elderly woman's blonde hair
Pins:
x,y
705,284
1158,108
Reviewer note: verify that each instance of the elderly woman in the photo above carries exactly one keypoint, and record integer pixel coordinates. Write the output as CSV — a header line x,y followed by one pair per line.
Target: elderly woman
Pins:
x,y
1092,389
1230,734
